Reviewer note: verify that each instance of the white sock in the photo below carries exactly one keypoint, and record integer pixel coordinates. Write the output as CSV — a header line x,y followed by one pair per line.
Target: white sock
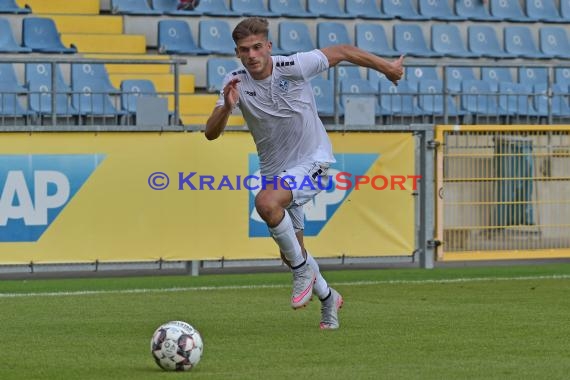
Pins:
x,y
284,236
320,288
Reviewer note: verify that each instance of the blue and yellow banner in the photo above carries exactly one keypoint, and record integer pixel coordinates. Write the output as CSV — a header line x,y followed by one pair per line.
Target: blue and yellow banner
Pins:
x,y
81,197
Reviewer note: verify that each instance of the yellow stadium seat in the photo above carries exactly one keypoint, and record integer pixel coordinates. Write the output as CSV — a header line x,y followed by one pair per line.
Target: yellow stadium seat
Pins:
x,y
62,6
233,121
162,82
106,43
116,68
92,24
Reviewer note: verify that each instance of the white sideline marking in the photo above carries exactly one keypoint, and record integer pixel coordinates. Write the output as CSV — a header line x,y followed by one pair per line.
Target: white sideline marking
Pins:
x,y
276,286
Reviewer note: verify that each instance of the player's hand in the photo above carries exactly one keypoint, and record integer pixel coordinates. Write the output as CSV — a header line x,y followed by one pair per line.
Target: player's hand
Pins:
x,y
231,94
396,71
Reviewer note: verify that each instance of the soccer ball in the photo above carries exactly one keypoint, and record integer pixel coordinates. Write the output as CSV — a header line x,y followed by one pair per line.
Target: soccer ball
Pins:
x,y
176,346
188,5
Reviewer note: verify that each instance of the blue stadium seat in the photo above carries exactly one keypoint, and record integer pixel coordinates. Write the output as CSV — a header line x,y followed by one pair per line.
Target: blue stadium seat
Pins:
x,y
332,33
374,77
295,36
515,99
474,10
87,73
562,76
215,36
520,42
544,10
398,100
409,39
345,72
358,87
455,76
41,35
438,10
132,89
430,99
554,41
276,49
133,7
327,9
10,88
290,9
372,38
323,90
8,43
365,9
170,8
252,8
216,70
478,98
402,9
483,40
92,99
216,8
175,37
559,103
533,75
446,40
565,9
417,74
509,10
39,83
10,6
496,75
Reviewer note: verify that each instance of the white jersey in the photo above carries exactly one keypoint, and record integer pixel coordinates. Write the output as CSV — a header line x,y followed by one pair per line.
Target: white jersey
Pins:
x,y
281,113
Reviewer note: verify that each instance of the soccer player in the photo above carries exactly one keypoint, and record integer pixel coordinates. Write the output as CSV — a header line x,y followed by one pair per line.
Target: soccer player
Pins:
x,y
276,99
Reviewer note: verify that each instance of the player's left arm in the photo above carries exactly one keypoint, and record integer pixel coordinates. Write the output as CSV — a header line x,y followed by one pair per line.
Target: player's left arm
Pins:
x,y
335,54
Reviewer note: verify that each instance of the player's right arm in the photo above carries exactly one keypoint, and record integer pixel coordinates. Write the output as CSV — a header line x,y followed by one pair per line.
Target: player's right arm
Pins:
x,y
219,118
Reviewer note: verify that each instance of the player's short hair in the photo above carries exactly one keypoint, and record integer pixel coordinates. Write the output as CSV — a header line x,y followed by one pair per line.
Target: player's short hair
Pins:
x,y
250,26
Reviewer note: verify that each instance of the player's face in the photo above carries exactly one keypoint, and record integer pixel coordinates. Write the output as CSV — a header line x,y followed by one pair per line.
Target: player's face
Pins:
x,y
255,54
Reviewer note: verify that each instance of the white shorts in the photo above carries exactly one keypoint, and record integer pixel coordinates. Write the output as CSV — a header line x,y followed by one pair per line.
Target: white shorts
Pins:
x,y
305,181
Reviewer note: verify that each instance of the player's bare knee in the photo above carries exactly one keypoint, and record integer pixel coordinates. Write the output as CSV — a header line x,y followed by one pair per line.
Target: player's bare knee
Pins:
x,y
269,210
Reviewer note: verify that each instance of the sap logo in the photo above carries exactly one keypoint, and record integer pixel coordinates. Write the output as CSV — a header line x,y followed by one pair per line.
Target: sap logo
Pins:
x,y
322,208
34,189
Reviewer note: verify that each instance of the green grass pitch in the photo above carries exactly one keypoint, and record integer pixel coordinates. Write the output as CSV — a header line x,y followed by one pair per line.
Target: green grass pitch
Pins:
x,y
453,323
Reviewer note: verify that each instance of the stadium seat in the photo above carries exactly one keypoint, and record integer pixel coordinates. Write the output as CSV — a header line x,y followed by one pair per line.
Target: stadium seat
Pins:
x,y
398,100
132,7
372,38
417,74
170,8
323,91
554,41
478,98
10,88
8,43
402,9
290,9
409,39
559,103
515,99
10,6
345,72
216,8
474,10
252,8
374,77
215,36
544,10
87,73
446,40
175,37
327,9
358,87
92,99
216,70
430,99
483,40
39,83
533,75
510,10
438,10
365,9
520,42
565,9
455,76
332,33
496,75
40,34
276,49
131,90
295,36
562,76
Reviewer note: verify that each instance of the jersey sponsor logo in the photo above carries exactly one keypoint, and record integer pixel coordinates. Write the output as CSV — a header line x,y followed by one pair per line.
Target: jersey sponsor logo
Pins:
x,y
324,205
35,188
